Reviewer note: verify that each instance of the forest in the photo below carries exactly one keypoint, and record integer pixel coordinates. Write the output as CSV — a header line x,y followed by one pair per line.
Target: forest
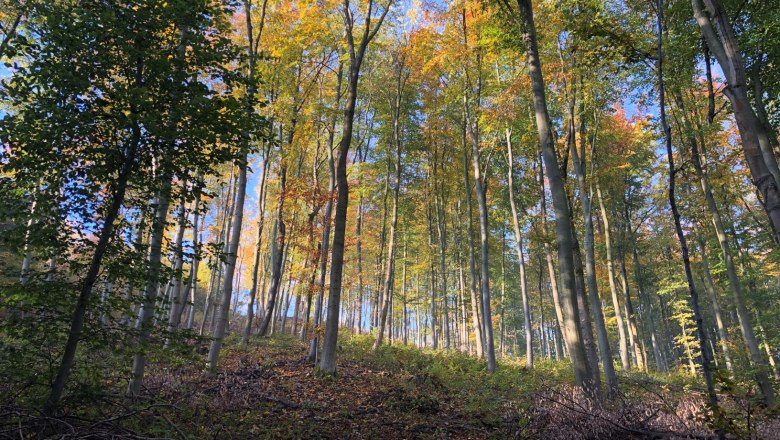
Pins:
x,y
389,219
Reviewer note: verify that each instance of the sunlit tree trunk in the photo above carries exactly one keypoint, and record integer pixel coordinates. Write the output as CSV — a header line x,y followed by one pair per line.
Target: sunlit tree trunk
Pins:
x,y
475,318
625,359
177,303
250,308
328,360
721,40
586,200
145,317
390,262
582,371
278,244
520,254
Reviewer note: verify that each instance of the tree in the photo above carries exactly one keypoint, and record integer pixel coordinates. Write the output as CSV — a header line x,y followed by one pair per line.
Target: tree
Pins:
x,y
356,54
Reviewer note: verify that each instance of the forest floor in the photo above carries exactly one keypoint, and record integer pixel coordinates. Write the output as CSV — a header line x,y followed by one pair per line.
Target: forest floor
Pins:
x,y
267,389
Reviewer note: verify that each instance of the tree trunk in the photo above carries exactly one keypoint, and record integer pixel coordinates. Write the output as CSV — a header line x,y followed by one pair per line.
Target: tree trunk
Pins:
x,y
328,361
582,371
755,141
91,276
177,305
441,226
146,316
705,353
250,308
480,188
475,318
745,324
625,359
586,200
709,285
278,246
220,323
529,351
390,263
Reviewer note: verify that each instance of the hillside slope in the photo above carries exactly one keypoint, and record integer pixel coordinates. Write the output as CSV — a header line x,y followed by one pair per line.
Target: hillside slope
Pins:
x,y
267,389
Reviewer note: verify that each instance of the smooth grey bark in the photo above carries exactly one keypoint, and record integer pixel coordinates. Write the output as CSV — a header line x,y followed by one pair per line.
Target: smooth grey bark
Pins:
x,y
432,279
586,324
582,372
177,293
221,318
475,318
633,334
223,307
743,314
377,298
441,226
625,359
192,284
702,336
721,40
389,275
145,317
327,218
250,308
520,254
278,244
709,285
586,200
328,360
660,362
480,186
405,316
548,256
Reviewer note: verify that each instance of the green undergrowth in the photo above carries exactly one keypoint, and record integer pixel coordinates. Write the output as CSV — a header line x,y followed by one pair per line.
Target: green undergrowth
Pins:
x,y
264,387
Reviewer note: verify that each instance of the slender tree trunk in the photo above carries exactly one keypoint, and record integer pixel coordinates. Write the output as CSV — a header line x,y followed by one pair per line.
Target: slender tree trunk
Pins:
x,y
405,317
709,285
250,308
745,324
633,333
93,271
174,317
314,344
192,287
441,226
529,352
705,353
432,279
328,360
146,316
390,262
480,189
278,244
583,304
221,321
582,371
625,359
660,362
586,199
475,318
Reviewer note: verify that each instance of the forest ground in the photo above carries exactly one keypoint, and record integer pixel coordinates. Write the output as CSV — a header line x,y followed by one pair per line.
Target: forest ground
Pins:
x,y
267,389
